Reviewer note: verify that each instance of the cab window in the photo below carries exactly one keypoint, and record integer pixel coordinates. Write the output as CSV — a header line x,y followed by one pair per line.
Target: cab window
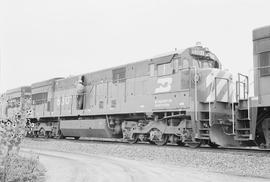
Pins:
x,y
206,64
119,75
164,69
39,98
264,62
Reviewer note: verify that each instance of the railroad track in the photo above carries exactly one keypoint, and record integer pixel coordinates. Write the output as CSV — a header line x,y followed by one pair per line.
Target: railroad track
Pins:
x,y
203,148
244,162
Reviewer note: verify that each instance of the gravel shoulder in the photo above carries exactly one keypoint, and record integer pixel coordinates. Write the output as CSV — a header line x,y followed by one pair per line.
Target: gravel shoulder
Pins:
x,y
239,166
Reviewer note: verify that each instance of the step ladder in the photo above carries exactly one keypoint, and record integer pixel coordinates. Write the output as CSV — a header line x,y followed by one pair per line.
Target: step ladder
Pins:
x,y
204,124
242,122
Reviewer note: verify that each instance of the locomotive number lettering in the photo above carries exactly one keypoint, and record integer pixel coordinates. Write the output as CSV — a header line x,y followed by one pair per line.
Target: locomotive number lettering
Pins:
x,y
164,85
63,101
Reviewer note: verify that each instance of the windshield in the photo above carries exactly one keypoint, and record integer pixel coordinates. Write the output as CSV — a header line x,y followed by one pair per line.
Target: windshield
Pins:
x,y
203,58
206,64
198,63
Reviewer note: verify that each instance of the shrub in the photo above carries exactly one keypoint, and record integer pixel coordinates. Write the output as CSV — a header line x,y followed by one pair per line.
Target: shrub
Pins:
x,y
12,166
22,169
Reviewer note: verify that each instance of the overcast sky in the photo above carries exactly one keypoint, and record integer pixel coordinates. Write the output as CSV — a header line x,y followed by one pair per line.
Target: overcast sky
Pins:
x,y
42,39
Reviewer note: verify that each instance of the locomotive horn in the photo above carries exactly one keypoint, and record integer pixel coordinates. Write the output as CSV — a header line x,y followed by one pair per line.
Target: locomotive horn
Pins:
x,y
218,135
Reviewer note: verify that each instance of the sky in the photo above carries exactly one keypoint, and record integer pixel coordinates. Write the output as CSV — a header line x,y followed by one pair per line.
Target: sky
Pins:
x,y
41,39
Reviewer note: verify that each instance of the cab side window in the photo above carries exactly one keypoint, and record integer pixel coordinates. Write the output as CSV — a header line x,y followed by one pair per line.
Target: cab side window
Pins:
x,y
39,98
264,62
164,69
119,75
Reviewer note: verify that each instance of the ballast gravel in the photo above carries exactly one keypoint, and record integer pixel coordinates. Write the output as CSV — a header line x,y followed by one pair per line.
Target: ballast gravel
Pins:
x,y
212,160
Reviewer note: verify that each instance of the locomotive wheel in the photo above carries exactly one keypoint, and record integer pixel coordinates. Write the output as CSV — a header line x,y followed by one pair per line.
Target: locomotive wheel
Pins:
x,y
194,144
77,138
151,142
162,141
213,145
180,143
49,134
43,133
133,140
60,135
35,135
158,137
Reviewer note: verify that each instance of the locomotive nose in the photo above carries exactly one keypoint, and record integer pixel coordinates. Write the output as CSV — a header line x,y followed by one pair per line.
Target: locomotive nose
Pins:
x,y
215,85
216,90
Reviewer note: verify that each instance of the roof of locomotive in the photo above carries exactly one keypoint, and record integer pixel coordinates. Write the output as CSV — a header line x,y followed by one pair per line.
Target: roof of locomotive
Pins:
x,y
17,92
105,74
18,89
168,53
149,60
137,63
262,32
44,83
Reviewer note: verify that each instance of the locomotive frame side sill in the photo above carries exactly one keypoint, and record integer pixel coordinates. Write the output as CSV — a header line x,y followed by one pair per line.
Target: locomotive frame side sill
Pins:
x,y
178,116
172,109
183,90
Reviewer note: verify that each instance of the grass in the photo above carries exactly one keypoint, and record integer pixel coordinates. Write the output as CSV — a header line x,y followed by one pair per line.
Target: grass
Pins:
x,y
22,169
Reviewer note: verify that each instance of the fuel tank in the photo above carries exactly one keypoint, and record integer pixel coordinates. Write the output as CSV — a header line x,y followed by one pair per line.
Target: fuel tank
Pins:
x,y
87,128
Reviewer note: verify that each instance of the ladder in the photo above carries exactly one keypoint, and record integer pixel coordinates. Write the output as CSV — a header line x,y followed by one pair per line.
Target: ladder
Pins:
x,y
243,121
204,124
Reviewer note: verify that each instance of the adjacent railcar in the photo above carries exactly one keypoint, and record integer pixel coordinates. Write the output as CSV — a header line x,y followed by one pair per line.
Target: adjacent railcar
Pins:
x,y
260,103
173,98
11,101
42,107
252,114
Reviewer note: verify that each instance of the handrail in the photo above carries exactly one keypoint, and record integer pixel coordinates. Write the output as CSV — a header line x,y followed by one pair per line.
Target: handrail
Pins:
x,y
233,119
209,105
196,94
245,83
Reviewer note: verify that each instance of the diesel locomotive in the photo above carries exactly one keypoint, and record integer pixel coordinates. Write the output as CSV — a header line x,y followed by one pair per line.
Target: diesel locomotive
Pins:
x,y
183,97
174,98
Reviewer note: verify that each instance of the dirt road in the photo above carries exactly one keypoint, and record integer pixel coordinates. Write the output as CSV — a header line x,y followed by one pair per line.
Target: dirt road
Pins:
x,y
78,167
